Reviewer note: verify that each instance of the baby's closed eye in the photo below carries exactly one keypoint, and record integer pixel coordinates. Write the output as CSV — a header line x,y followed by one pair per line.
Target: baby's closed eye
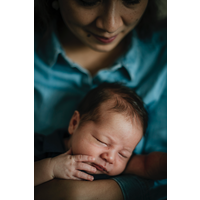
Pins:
x,y
100,141
122,155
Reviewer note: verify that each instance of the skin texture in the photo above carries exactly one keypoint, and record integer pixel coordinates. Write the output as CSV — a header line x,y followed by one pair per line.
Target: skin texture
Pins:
x,y
110,141
106,19
68,167
80,190
101,147
64,166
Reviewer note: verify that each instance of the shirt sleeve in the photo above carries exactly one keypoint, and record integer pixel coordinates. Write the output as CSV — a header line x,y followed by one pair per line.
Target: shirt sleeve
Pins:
x,y
134,187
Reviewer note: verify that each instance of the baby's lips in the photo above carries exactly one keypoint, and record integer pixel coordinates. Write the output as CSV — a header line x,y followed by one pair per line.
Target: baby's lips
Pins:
x,y
100,164
99,167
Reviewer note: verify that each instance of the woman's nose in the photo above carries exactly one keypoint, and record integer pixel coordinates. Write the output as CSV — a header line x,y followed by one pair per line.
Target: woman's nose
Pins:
x,y
110,19
108,157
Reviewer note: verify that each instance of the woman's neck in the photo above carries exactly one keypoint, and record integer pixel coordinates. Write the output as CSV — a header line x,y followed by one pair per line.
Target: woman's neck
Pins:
x,y
83,55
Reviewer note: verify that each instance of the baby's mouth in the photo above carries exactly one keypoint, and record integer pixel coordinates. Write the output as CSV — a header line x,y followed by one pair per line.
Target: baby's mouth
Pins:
x,y
99,167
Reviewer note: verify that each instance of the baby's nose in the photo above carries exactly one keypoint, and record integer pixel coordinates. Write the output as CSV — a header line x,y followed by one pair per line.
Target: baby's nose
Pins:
x,y
108,157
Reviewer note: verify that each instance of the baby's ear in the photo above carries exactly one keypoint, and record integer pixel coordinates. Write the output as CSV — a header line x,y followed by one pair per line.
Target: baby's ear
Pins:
x,y
74,122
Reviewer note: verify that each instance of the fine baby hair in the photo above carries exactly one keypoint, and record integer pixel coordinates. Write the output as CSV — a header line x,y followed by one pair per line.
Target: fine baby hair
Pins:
x,y
126,101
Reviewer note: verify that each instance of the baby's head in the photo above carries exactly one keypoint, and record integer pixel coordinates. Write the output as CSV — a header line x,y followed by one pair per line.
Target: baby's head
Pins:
x,y
108,125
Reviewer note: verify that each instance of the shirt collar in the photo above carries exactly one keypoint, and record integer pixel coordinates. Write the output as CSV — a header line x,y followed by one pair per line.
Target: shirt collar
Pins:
x,y
52,48
131,57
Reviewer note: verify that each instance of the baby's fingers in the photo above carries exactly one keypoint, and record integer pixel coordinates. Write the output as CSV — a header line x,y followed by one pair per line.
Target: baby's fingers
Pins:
x,y
84,158
86,167
83,175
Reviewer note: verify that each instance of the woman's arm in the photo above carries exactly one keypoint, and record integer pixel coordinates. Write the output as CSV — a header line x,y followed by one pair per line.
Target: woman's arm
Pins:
x,y
83,190
152,166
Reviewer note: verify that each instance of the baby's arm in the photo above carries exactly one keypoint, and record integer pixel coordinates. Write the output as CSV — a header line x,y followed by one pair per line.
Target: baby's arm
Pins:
x,y
152,166
43,171
64,166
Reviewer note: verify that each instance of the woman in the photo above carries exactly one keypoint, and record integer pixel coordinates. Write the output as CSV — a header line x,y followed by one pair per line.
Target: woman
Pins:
x,y
82,43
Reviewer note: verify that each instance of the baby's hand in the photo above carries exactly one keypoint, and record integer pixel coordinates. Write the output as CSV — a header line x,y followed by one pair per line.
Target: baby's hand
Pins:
x,y
67,166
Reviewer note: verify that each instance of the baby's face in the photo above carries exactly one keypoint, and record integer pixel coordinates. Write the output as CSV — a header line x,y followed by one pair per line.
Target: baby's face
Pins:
x,y
111,141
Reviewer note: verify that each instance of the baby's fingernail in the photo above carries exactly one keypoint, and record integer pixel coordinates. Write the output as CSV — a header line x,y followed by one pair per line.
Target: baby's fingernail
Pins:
x,y
91,178
92,159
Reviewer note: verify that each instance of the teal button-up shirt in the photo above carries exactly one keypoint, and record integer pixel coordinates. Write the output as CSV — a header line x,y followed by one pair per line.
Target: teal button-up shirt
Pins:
x,y
60,84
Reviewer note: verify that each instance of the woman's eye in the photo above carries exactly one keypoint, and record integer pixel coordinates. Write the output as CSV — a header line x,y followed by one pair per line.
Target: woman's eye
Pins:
x,y
89,2
94,2
131,2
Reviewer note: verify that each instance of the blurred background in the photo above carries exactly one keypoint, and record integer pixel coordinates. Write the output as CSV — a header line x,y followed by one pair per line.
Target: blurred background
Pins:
x,y
162,9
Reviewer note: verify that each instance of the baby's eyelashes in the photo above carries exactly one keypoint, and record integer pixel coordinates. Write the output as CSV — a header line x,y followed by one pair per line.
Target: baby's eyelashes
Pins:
x,y
103,143
122,155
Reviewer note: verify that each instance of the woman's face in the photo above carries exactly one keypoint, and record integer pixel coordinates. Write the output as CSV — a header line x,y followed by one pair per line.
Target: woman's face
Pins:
x,y
101,24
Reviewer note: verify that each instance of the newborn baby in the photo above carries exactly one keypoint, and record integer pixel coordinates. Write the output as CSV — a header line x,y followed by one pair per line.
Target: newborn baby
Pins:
x,y
103,132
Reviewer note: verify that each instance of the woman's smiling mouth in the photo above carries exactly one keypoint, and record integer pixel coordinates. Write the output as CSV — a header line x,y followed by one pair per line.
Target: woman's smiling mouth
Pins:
x,y
104,39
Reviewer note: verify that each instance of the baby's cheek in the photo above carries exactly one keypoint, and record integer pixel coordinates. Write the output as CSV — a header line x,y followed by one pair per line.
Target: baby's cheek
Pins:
x,y
117,169
85,149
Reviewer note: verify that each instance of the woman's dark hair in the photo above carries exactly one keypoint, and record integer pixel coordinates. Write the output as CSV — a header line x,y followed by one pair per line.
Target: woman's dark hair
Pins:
x,y
45,15
125,101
